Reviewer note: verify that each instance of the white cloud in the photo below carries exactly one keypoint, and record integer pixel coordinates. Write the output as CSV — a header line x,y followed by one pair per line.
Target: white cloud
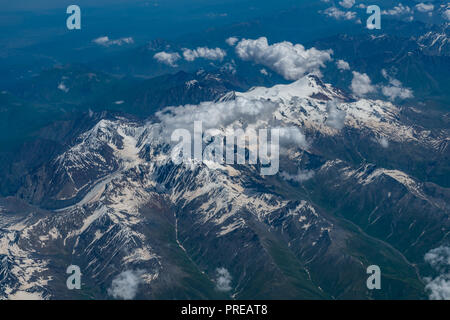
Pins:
x,y
231,41
101,41
223,280
205,53
342,65
125,286
439,258
334,12
292,135
395,90
446,14
347,3
361,84
217,114
63,87
167,58
121,41
105,41
336,117
398,10
422,7
439,287
240,113
289,60
300,176
383,142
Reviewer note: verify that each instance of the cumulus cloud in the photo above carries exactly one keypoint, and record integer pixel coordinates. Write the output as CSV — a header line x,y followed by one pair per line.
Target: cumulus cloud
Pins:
x,y
101,41
231,41
338,14
361,84
342,65
446,14
336,117
395,90
169,58
205,53
106,42
63,87
293,135
254,113
347,3
383,142
223,280
125,286
289,60
240,117
439,287
422,7
217,114
300,176
439,258
398,10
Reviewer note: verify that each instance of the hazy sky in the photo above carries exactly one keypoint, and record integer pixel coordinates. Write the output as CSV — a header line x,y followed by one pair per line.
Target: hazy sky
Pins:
x,y
54,4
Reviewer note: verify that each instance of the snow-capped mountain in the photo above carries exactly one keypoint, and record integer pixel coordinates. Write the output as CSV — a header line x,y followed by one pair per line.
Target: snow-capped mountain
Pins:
x,y
436,42
115,202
